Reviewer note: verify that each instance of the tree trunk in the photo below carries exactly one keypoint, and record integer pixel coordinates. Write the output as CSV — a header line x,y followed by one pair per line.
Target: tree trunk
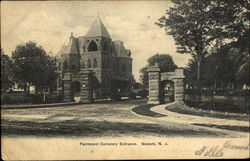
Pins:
x,y
28,89
198,70
215,84
199,78
25,90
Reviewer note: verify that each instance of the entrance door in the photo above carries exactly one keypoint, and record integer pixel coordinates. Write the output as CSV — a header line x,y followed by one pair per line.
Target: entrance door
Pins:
x,y
76,91
166,91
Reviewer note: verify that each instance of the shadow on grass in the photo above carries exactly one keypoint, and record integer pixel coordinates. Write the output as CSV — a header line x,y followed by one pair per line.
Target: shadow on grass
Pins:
x,y
73,128
226,127
145,110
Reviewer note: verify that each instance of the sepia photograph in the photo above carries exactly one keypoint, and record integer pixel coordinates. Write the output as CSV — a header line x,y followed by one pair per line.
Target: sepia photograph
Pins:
x,y
131,80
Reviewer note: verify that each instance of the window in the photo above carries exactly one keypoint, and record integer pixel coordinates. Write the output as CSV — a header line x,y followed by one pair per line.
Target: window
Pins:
x,y
92,46
124,68
89,65
95,64
82,64
65,65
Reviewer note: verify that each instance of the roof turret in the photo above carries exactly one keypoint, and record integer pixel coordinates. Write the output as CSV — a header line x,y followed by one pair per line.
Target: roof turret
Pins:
x,y
73,45
98,29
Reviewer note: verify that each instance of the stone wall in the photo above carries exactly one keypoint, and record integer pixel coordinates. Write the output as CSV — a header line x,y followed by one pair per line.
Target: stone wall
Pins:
x,y
154,85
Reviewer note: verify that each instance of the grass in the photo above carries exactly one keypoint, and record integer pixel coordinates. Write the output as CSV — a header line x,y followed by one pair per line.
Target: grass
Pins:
x,y
76,128
220,106
109,109
205,113
99,119
227,127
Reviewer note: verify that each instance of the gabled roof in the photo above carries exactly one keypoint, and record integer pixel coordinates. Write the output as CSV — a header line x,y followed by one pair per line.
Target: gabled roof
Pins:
x,y
98,29
120,50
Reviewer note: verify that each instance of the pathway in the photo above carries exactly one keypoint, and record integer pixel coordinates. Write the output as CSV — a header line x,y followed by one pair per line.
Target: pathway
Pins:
x,y
229,127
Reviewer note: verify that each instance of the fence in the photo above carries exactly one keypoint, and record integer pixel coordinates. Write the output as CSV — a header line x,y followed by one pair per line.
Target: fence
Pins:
x,y
220,100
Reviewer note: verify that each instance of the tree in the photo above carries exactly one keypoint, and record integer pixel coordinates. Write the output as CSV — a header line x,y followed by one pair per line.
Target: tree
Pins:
x,y
198,26
226,67
144,77
187,21
165,62
6,72
135,84
231,19
33,67
231,22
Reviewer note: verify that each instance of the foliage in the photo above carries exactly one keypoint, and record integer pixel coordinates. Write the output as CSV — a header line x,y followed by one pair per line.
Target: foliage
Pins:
x,y
6,72
165,63
135,84
198,26
132,95
225,67
144,76
33,67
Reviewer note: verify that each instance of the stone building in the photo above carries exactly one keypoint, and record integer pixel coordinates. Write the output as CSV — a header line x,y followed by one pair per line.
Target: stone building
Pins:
x,y
96,52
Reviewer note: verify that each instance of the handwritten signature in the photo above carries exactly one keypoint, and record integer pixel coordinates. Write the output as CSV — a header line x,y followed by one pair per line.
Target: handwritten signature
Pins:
x,y
207,151
218,150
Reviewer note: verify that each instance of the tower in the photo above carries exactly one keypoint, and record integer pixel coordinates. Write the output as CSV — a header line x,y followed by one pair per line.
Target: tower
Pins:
x,y
96,53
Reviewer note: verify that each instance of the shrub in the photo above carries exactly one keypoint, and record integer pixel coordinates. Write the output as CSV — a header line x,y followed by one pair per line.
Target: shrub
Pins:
x,y
116,97
143,93
132,95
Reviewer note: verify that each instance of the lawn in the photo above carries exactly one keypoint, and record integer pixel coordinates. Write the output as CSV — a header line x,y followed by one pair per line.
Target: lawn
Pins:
x,y
99,119
207,113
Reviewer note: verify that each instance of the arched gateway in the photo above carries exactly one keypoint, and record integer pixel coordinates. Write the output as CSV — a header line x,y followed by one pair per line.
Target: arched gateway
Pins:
x,y
79,84
157,82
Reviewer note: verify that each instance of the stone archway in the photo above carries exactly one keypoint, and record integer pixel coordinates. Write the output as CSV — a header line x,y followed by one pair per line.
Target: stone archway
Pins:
x,y
166,91
75,90
84,87
156,77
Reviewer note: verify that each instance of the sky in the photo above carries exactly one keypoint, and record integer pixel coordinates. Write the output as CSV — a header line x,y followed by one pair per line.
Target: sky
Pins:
x,y
50,23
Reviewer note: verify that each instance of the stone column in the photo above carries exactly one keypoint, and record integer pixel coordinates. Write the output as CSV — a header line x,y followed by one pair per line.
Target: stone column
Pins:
x,y
86,80
178,85
154,84
67,97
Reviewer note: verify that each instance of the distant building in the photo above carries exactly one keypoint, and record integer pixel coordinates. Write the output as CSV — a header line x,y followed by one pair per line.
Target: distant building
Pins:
x,y
110,61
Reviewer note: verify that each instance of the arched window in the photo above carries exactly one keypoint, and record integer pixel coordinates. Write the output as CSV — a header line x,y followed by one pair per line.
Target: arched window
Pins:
x,y
92,46
95,64
65,65
82,65
89,64
124,68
